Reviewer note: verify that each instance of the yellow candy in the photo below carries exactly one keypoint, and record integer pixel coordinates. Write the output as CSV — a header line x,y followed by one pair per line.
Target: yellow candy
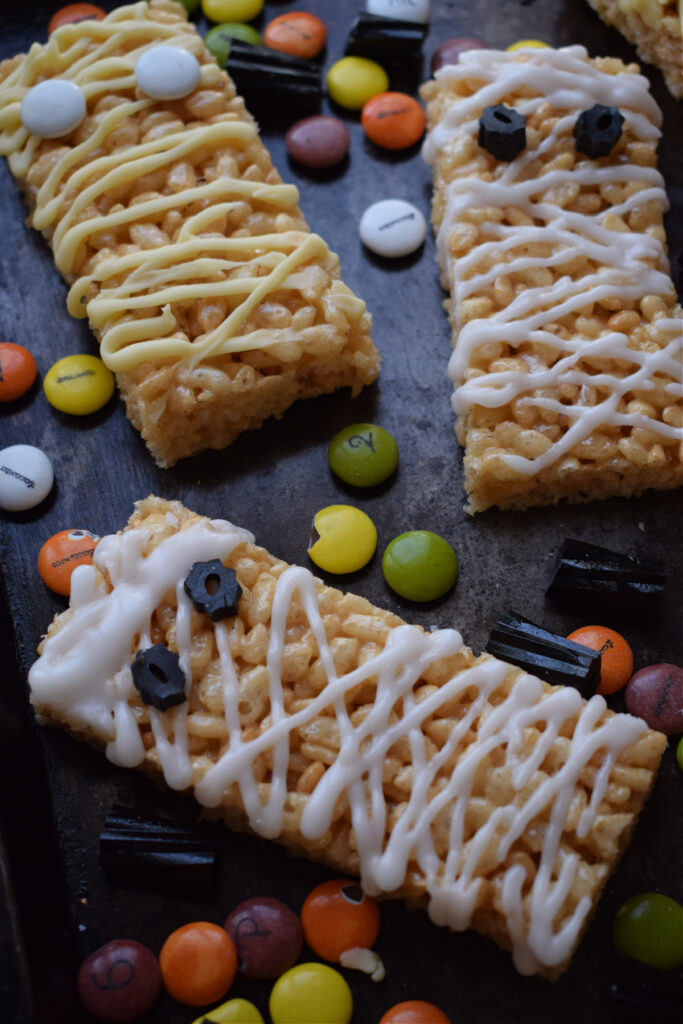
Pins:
x,y
311,994
235,1011
523,44
232,10
347,539
352,81
78,385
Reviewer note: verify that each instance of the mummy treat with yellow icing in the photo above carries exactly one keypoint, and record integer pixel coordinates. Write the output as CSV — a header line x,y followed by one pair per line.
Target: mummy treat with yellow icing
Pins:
x,y
214,305
655,27
313,718
567,336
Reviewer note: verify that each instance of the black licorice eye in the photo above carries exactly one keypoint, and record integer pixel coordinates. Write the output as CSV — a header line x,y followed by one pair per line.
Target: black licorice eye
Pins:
x,y
213,589
502,132
158,677
597,131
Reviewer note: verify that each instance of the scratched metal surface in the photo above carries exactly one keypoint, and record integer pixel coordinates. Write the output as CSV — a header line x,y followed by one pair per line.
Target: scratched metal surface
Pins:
x,y
56,793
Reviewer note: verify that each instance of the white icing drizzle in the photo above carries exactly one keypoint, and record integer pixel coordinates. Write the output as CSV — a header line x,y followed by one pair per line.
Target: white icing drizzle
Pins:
x,y
629,265
84,673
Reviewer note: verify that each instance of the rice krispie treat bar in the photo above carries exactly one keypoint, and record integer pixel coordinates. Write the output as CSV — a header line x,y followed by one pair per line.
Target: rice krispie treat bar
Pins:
x,y
566,332
310,717
213,303
655,27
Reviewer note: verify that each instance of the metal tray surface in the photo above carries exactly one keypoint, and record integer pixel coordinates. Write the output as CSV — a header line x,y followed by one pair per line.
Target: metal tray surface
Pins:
x,y
56,793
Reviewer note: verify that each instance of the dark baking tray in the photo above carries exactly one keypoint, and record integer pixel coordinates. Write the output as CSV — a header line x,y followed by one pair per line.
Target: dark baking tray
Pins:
x,y
56,792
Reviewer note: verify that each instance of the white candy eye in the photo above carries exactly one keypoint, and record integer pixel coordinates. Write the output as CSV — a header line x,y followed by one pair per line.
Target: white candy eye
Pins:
x,y
53,108
167,72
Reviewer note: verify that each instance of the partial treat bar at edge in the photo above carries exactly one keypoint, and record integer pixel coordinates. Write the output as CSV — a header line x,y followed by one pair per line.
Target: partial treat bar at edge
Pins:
x,y
566,333
213,303
317,720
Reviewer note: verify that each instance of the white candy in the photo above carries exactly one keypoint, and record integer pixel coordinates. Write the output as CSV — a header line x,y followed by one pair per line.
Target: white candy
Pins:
x,y
392,227
404,10
167,72
26,477
53,108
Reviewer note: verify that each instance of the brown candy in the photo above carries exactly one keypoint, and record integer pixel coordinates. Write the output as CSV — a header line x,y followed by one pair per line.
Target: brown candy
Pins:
x,y
120,981
655,693
268,936
318,141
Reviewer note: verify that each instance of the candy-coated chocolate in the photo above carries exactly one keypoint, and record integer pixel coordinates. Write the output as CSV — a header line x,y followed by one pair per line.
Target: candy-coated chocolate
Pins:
x,y
363,454
119,982
649,927
198,963
392,228
338,916
415,1011
26,477
420,565
235,1011
404,10
655,693
268,936
53,108
352,81
311,994
17,371
61,553
232,10
344,539
167,72
527,44
318,141
78,385
75,12
679,754
218,39
393,120
297,32
449,52
616,666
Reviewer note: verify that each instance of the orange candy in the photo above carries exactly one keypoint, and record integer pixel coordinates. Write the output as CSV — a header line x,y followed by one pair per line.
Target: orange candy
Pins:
x,y
338,916
75,12
60,555
298,33
616,667
415,1011
17,371
198,963
393,120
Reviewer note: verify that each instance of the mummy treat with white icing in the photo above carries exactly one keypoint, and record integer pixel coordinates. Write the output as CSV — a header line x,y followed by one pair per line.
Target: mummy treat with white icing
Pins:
x,y
567,336
214,304
316,719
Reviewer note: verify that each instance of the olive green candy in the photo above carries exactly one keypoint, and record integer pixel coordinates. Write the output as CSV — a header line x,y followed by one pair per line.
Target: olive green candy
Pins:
x,y
363,454
679,754
649,927
420,565
219,38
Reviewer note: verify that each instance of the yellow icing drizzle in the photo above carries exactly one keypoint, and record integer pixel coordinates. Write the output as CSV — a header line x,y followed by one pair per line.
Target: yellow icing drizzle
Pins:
x,y
132,307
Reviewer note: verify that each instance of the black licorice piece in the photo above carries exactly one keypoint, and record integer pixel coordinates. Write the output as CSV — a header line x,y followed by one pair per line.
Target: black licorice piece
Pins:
x,y
552,657
158,677
589,573
258,70
385,40
502,132
155,848
213,589
597,131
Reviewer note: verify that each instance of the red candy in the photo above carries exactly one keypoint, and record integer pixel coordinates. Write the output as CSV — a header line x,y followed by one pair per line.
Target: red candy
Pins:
x,y
298,33
318,141
60,555
198,963
655,693
449,52
75,12
17,371
415,1011
268,937
393,120
119,982
338,916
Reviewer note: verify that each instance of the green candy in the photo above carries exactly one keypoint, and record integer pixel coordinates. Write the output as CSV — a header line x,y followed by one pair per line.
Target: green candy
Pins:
x,y
420,565
219,38
363,454
649,928
679,754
